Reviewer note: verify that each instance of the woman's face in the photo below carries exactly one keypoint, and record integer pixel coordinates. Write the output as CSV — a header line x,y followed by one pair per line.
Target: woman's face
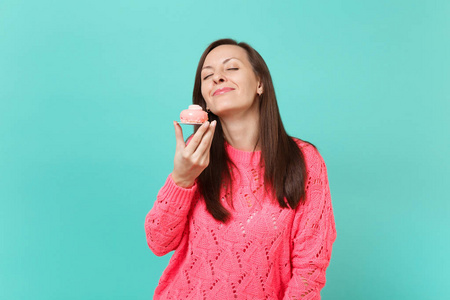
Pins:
x,y
229,85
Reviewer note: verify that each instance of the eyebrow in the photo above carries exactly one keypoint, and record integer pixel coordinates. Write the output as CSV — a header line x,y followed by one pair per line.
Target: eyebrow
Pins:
x,y
224,62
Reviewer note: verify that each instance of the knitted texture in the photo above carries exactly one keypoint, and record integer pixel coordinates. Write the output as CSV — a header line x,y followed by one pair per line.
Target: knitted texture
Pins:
x,y
263,252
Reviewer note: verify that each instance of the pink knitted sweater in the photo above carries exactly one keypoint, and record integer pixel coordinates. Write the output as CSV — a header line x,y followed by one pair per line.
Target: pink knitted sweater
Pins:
x,y
263,252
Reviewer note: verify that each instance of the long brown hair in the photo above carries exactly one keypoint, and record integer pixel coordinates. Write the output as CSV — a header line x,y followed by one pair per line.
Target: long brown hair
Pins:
x,y
284,164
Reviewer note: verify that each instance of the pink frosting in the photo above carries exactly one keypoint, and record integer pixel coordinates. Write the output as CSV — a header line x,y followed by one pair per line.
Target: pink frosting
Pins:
x,y
194,114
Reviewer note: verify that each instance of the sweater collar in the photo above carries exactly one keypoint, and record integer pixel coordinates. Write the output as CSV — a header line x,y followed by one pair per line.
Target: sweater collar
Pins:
x,y
240,155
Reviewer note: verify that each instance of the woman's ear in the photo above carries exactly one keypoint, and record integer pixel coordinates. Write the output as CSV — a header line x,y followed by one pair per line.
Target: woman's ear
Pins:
x,y
260,88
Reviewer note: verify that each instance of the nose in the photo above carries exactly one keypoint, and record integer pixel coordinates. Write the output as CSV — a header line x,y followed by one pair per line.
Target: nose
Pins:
x,y
218,77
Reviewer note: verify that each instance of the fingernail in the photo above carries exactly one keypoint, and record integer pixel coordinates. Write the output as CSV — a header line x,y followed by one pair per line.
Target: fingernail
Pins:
x,y
213,123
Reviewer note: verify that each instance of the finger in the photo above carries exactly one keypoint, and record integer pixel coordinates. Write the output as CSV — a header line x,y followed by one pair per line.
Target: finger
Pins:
x,y
197,138
206,142
212,134
179,136
206,153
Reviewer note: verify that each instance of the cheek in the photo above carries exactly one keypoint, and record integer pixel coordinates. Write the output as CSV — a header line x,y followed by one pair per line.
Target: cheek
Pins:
x,y
249,83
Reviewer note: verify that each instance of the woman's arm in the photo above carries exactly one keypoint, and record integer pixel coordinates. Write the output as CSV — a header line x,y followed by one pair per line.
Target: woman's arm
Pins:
x,y
313,233
165,224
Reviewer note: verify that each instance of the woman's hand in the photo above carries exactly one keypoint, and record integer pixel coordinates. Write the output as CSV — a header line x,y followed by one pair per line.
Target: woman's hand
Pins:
x,y
191,160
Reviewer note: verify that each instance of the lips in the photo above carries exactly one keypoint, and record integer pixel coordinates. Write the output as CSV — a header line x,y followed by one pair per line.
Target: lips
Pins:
x,y
222,91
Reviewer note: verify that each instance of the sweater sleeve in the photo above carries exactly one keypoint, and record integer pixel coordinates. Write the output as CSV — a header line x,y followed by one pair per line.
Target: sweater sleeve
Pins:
x,y
166,222
313,233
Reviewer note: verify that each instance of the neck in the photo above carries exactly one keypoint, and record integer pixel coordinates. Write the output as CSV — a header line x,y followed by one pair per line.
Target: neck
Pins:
x,y
242,134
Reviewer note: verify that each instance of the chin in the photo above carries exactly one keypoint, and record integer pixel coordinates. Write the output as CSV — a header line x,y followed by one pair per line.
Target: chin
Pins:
x,y
229,107
222,113
230,112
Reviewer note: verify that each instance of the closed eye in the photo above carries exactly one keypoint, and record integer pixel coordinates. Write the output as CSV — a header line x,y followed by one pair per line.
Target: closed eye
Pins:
x,y
233,69
207,76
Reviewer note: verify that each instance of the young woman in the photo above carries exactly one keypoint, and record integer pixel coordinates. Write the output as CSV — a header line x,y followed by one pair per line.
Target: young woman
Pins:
x,y
247,208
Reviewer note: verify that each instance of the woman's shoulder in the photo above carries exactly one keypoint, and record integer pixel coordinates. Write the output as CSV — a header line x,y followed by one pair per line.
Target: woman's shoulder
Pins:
x,y
302,143
305,146
310,152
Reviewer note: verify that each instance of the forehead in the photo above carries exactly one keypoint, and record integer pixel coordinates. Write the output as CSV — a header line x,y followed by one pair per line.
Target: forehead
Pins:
x,y
223,52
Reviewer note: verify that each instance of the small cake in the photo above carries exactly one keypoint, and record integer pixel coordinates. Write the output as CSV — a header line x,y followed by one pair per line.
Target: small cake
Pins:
x,y
194,115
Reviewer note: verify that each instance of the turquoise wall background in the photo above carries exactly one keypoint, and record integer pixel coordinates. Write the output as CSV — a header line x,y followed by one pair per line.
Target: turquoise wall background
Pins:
x,y
89,90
